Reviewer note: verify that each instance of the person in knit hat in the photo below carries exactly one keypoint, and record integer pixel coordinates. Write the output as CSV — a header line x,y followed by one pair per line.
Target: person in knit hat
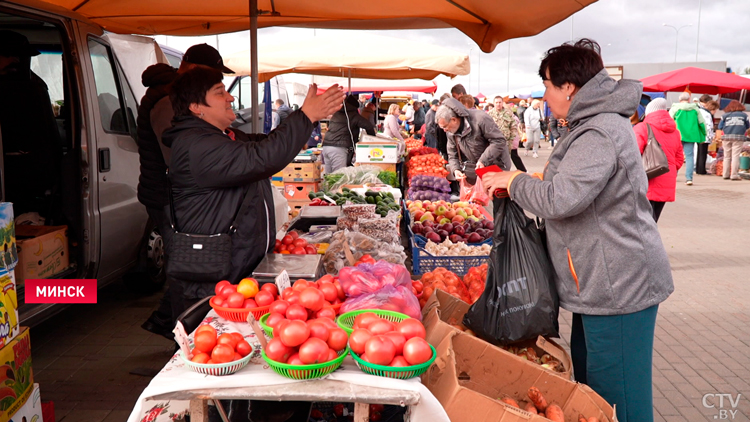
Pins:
x,y
661,189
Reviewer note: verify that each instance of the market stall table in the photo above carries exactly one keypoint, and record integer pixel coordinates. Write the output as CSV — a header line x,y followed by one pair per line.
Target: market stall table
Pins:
x,y
176,387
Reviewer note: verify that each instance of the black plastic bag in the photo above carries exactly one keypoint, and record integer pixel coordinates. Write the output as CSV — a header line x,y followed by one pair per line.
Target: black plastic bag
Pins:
x,y
520,299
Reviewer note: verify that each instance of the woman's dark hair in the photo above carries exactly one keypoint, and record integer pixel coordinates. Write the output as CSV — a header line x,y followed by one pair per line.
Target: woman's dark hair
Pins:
x,y
705,98
572,63
734,105
191,87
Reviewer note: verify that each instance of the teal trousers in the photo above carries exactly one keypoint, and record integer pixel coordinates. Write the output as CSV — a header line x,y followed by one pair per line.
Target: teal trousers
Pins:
x,y
613,355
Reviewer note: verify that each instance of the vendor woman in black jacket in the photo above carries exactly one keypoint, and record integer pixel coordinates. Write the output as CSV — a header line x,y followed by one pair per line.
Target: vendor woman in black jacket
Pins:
x,y
213,166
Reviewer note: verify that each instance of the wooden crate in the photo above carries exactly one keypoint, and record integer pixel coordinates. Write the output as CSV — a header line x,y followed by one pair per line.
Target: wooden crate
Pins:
x,y
299,191
302,172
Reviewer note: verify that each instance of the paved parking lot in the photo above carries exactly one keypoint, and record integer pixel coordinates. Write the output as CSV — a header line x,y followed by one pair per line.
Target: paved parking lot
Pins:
x,y
83,357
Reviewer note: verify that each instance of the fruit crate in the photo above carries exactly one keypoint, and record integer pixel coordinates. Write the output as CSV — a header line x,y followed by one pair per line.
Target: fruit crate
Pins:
x,y
421,240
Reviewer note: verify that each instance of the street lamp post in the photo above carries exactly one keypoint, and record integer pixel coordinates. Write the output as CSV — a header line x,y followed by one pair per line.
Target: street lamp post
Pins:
x,y
677,36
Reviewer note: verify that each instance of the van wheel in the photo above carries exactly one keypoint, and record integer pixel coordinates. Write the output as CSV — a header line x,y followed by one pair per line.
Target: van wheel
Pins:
x,y
149,276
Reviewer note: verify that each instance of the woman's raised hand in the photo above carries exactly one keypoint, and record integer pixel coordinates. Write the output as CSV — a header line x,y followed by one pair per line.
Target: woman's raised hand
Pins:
x,y
317,107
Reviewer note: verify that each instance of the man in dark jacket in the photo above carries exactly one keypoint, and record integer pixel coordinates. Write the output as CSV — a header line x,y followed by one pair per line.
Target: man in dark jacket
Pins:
x,y
430,133
419,116
369,113
343,134
283,110
154,116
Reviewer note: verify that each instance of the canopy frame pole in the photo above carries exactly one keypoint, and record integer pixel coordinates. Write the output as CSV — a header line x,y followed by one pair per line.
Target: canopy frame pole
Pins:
x,y
254,118
350,80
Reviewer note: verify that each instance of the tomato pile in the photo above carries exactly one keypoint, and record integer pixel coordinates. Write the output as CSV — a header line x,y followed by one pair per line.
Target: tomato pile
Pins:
x,y
469,289
245,295
302,342
422,151
429,164
292,244
382,342
412,143
211,348
307,300
474,280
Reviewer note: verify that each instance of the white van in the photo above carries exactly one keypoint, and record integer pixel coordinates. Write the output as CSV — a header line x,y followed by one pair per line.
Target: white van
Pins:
x,y
95,109
240,88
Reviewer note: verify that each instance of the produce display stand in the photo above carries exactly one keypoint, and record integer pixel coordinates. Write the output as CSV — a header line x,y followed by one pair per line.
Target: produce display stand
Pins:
x,y
177,388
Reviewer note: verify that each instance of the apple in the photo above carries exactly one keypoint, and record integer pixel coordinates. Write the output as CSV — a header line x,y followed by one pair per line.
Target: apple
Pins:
x,y
443,234
462,213
474,238
433,237
473,218
431,208
418,215
455,238
459,230
449,214
441,210
408,203
417,228
487,224
444,221
428,224
457,219
477,213
426,217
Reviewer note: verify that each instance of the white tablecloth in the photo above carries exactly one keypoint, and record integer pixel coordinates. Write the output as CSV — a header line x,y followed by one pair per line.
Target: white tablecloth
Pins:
x,y
176,376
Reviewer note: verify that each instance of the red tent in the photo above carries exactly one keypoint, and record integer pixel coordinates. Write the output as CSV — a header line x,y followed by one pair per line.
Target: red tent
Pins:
x,y
700,81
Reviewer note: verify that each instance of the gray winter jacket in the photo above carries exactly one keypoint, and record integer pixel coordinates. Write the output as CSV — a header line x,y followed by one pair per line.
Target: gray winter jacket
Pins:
x,y
601,236
480,139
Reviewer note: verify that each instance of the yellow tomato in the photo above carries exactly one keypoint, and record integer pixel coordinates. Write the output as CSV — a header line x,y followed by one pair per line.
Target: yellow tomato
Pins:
x,y
248,287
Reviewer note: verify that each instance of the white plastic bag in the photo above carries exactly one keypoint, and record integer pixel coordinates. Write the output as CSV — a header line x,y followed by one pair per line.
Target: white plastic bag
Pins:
x,y
280,208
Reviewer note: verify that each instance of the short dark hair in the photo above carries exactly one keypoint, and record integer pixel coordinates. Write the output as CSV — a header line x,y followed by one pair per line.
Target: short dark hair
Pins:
x,y
705,98
734,105
191,88
572,63
458,89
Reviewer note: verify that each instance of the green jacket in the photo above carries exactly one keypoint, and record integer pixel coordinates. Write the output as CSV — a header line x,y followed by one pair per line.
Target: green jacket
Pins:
x,y
689,121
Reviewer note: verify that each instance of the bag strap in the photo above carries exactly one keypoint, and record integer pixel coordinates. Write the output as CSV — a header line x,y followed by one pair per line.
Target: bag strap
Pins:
x,y
232,228
651,135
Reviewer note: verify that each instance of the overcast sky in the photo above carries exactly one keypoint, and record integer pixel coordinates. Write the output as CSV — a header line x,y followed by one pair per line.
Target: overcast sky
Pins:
x,y
629,31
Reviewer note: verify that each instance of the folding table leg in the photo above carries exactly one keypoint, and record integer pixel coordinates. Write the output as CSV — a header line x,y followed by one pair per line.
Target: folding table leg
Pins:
x,y
361,412
198,410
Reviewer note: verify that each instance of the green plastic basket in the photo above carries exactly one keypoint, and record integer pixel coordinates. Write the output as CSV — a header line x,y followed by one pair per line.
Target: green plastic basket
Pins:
x,y
305,372
346,321
268,330
401,373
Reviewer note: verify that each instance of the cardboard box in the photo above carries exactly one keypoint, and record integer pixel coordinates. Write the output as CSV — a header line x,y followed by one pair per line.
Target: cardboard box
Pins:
x,y
8,252
8,307
443,310
42,251
295,207
302,172
299,191
380,152
16,376
32,410
470,376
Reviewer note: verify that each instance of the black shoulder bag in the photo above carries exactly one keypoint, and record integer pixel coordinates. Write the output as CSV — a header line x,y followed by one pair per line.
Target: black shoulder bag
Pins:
x,y
201,258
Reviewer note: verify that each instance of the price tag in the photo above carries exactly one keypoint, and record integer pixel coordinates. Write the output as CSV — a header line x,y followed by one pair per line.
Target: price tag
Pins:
x,y
283,281
259,333
181,337
329,199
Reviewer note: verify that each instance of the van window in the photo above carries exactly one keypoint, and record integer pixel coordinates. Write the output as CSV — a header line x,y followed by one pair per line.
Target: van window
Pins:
x,y
110,102
242,93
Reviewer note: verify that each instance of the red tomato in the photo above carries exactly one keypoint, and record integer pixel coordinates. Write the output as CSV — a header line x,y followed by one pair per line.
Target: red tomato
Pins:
x,y
381,327
300,284
238,337
300,242
325,279
365,358
273,319
326,312
399,361
206,327
227,339
287,240
217,301
312,299
340,290
380,350
365,319
357,340
277,351
294,235
279,326
411,328
417,350
222,353
237,357
296,312
234,300
299,251
228,289
264,298
249,304
337,339
293,297
271,288
318,330
295,360
277,244
329,291
243,348
220,285
331,324
204,341
200,357
310,250
279,307
332,355
398,340
314,350
418,286
294,333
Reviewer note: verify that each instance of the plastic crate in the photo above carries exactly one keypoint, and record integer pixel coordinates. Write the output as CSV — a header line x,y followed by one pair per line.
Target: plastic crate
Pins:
x,y
421,240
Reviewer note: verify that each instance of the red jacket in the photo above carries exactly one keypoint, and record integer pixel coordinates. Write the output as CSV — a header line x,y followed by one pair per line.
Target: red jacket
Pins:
x,y
662,188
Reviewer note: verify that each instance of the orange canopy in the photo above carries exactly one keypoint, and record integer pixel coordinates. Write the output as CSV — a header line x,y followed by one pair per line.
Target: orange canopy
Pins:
x,y
487,22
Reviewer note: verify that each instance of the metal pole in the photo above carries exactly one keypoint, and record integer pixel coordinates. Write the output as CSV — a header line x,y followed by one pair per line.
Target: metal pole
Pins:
x,y
697,40
254,118
676,40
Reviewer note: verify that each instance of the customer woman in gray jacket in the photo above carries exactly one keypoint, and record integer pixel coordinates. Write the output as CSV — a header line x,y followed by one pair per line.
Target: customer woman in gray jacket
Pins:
x,y
611,268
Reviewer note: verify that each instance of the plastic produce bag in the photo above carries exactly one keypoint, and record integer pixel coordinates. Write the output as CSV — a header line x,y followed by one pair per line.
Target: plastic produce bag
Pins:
x,y
473,193
368,278
520,300
359,244
389,298
358,175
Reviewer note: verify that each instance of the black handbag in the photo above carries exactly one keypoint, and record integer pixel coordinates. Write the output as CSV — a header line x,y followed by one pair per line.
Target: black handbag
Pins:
x,y
655,161
201,258
468,168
